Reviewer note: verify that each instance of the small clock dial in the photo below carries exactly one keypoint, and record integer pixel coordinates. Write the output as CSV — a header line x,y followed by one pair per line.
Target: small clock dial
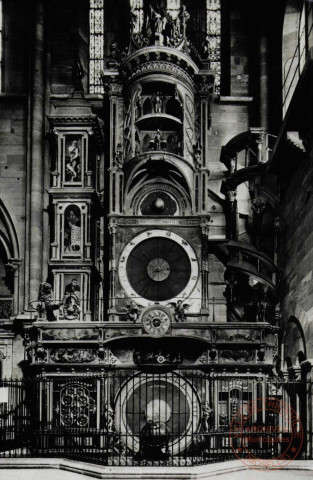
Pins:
x,y
156,321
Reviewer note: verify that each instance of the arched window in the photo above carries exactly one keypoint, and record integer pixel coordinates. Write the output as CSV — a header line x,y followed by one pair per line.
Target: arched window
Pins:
x,y
296,41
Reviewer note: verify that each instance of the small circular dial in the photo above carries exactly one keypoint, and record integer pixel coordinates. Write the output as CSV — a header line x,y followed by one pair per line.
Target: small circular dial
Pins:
x,y
156,321
158,269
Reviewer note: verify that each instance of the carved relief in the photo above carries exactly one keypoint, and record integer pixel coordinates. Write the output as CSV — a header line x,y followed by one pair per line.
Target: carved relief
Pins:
x,y
72,230
189,127
70,334
71,301
158,356
73,170
72,355
237,355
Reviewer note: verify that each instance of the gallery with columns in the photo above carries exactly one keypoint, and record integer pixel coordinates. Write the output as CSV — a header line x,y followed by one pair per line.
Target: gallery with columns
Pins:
x,y
156,249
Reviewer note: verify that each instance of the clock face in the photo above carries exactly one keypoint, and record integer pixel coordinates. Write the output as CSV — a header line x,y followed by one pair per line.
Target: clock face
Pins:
x,y
156,321
158,266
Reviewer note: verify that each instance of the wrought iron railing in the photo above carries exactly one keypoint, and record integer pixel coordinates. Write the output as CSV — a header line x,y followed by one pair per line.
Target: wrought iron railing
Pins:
x,y
160,417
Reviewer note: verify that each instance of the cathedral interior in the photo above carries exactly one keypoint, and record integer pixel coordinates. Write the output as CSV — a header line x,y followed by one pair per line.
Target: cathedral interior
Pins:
x,y
155,239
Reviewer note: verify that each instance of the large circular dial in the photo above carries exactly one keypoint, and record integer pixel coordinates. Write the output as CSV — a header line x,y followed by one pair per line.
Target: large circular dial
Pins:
x,y
156,321
158,266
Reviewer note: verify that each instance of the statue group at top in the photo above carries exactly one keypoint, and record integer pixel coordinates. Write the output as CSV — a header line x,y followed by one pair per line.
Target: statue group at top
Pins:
x,y
160,27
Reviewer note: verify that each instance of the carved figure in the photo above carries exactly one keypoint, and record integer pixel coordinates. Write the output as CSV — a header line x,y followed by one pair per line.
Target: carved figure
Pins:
x,y
72,237
46,303
179,310
157,21
154,435
109,417
71,300
157,102
132,311
207,413
158,140
77,75
184,17
206,47
72,162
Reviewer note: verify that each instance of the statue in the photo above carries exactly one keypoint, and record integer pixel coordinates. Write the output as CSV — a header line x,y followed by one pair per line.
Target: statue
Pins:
x,y
206,417
206,47
132,311
197,155
77,75
157,21
72,162
71,300
154,435
46,303
184,17
179,310
157,140
157,101
72,234
109,418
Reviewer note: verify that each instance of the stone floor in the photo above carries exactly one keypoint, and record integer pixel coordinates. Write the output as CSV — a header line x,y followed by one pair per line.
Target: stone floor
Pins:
x,y
62,469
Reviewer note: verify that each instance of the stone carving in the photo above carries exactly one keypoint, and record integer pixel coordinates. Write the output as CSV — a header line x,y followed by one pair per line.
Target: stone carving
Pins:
x,y
157,102
114,57
189,126
41,354
202,359
46,303
70,334
71,301
157,356
237,355
109,418
252,336
72,355
212,355
132,312
115,333
118,157
72,234
73,159
5,308
207,417
197,150
179,310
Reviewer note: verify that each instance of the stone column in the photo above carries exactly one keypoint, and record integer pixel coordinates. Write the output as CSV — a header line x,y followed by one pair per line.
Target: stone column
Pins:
x,y
36,170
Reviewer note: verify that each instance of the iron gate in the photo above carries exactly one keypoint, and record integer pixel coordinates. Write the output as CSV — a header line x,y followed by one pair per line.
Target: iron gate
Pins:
x,y
125,417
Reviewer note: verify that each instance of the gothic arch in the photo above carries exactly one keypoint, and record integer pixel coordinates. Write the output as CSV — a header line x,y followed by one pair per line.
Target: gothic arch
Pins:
x,y
294,341
9,263
8,236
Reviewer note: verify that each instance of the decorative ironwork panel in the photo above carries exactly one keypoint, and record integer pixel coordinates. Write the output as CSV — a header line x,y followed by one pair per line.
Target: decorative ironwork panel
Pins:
x,y
76,406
